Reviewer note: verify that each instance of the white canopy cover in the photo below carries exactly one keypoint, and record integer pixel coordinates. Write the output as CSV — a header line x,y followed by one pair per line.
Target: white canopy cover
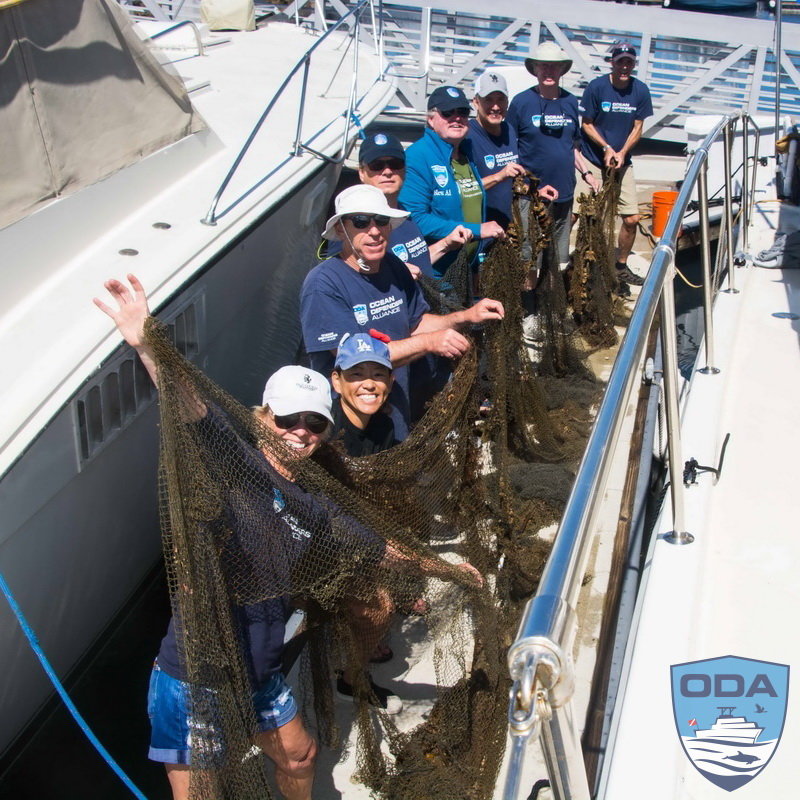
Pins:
x,y
81,96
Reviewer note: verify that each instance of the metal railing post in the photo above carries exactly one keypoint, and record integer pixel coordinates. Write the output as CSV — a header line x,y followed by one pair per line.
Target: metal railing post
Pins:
x,y
753,182
744,204
561,746
669,346
425,48
728,140
705,252
298,132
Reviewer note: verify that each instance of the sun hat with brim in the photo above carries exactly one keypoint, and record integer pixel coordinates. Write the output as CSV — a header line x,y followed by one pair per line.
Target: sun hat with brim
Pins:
x,y
293,389
361,199
361,347
548,53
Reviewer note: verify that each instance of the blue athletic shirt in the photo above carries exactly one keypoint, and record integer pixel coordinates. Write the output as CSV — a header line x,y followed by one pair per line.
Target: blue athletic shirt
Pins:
x,y
547,134
406,242
490,154
274,523
613,112
336,299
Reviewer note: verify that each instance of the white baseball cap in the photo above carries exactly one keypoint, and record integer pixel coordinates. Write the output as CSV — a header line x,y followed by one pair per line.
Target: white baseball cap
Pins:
x,y
490,82
293,389
361,199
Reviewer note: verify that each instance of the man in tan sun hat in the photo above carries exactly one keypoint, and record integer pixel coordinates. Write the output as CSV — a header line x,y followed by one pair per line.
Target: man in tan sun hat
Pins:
x,y
547,123
614,108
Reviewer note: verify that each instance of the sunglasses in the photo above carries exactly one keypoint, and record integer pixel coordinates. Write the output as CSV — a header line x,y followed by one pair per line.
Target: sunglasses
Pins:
x,y
454,112
315,423
361,221
380,164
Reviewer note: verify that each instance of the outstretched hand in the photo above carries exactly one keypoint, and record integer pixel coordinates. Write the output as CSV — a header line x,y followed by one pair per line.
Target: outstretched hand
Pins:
x,y
132,312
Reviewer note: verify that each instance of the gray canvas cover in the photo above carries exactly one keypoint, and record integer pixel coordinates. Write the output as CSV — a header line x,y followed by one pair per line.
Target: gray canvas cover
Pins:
x,y
81,96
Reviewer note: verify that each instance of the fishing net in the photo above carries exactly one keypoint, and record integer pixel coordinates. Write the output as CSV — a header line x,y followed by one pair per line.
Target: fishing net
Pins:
x,y
250,529
593,275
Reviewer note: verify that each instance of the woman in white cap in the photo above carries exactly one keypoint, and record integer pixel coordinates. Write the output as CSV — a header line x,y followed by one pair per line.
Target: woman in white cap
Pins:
x,y
296,413
547,122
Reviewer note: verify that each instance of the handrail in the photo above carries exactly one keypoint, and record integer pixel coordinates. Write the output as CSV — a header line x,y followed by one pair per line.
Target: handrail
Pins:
x,y
304,63
539,660
183,23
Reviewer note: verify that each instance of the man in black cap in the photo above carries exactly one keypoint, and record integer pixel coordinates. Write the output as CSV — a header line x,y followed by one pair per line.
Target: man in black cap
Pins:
x,y
382,164
443,188
614,108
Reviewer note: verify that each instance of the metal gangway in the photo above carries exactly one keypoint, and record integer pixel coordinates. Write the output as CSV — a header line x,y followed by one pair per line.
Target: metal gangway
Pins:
x,y
694,63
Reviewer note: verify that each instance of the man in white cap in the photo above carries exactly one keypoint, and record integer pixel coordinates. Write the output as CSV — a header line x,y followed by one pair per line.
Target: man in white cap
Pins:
x,y
494,145
382,163
545,118
614,108
367,288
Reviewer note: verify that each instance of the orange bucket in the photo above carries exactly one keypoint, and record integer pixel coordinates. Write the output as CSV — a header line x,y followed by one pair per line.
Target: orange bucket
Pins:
x,y
663,203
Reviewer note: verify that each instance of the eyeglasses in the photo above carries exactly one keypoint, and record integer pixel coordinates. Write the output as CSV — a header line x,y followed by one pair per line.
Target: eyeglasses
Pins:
x,y
361,221
316,423
454,112
380,164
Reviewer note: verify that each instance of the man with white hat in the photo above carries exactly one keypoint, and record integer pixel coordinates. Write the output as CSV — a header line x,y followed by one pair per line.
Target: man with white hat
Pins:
x,y
614,108
367,288
382,163
494,145
547,124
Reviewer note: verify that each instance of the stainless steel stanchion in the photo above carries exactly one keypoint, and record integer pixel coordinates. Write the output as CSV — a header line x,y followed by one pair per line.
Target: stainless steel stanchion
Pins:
x,y
705,252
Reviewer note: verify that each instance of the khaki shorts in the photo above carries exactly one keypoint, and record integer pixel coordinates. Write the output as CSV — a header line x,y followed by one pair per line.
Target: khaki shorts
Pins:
x,y
628,199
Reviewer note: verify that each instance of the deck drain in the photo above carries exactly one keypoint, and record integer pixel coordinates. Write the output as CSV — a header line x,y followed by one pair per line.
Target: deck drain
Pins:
x,y
162,226
128,251
785,315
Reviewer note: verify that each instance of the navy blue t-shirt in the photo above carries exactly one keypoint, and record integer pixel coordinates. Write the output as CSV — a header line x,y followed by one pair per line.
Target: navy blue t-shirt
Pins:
x,y
547,134
406,242
490,154
267,526
613,112
336,299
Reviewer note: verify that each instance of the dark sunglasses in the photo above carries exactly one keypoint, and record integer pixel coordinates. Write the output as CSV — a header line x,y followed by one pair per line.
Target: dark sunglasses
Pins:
x,y
380,164
361,221
454,112
316,423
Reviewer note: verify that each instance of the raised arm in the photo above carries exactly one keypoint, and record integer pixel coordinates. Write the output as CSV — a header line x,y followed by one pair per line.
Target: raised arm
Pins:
x,y
130,317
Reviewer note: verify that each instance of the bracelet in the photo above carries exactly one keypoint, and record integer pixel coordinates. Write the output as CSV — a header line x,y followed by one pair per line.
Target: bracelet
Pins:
x,y
606,147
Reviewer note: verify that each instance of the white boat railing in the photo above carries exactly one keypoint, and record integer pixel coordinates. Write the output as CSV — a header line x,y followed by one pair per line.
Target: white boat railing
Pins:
x,y
352,19
540,660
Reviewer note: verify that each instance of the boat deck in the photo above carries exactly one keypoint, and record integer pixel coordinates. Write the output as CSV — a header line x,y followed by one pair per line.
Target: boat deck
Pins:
x,y
731,591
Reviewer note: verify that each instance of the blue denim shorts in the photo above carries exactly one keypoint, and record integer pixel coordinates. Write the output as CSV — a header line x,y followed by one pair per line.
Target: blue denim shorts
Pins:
x,y
173,726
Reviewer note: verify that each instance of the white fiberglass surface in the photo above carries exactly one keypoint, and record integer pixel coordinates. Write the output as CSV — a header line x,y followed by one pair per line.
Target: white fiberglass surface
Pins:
x,y
734,590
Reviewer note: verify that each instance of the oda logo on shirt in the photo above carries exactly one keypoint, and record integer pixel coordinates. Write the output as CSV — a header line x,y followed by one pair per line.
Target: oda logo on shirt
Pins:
x,y
400,251
489,160
360,312
440,174
536,120
606,105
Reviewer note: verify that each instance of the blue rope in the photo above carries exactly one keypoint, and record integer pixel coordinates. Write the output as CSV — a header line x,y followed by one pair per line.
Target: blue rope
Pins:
x,y
59,687
357,120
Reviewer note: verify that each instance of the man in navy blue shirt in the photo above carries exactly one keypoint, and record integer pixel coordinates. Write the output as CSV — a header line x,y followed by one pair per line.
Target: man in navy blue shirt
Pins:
x,y
614,108
494,145
368,288
382,163
546,121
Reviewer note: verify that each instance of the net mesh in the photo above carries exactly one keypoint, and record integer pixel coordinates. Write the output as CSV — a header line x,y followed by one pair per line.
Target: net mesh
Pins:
x,y
247,525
